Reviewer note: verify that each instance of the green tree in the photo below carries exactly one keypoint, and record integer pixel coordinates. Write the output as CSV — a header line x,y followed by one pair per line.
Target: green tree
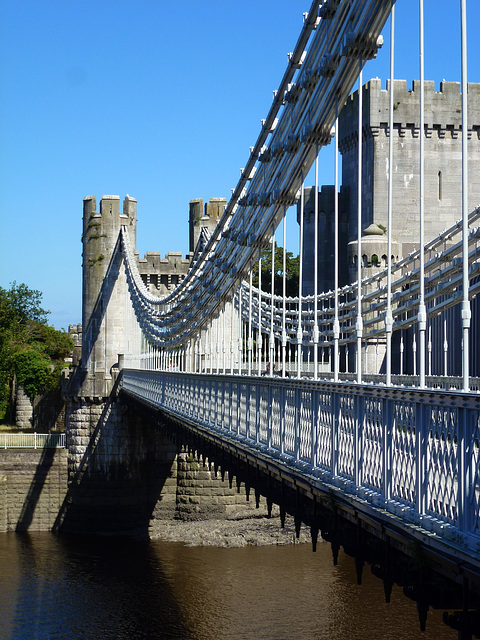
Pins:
x,y
292,268
30,349
26,303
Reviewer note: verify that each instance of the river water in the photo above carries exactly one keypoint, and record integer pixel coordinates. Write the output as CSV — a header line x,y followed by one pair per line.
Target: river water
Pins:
x,y
75,589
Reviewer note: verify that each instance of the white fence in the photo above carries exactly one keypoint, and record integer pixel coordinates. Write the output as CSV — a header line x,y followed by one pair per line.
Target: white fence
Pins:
x,y
411,453
32,440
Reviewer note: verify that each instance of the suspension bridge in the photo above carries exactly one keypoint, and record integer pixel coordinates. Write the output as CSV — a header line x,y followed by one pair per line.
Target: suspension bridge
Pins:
x,y
363,393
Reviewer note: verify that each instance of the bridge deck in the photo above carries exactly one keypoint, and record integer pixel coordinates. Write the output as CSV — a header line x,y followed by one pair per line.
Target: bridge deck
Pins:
x,y
405,455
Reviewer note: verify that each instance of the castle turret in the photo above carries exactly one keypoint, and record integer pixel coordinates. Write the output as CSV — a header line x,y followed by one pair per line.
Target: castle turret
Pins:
x,y
204,219
443,165
104,288
374,247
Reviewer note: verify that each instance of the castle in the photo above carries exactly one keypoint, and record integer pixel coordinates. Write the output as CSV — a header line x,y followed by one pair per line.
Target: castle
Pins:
x,y
442,196
443,169
443,177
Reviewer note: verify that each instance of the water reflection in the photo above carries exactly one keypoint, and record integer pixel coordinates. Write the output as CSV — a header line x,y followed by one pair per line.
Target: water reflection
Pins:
x,y
69,588
84,590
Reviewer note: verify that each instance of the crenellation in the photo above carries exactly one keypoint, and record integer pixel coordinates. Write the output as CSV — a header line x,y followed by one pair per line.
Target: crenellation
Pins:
x,y
442,135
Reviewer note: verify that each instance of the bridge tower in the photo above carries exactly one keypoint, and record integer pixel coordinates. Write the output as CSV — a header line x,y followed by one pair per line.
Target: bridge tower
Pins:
x,y
126,475
107,331
111,451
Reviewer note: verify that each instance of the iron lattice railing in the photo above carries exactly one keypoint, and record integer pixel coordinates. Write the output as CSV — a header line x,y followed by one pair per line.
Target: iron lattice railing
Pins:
x,y
412,453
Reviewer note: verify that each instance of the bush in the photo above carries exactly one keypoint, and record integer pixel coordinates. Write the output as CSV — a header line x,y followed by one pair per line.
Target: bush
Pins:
x,y
33,371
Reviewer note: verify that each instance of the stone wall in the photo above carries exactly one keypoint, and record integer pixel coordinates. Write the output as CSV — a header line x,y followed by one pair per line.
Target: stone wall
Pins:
x,y
116,497
202,493
128,474
120,470
443,157
33,486
162,275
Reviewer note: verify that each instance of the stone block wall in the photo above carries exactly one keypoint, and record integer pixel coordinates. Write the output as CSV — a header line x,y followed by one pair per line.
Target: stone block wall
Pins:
x,y
127,475
162,275
121,470
202,493
443,157
33,486
114,498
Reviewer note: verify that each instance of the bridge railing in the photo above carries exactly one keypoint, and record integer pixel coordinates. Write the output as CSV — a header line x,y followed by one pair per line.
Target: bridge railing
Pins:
x,y
411,453
152,362
32,440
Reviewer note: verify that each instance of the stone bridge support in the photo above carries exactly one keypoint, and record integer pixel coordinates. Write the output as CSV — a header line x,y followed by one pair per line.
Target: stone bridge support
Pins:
x,y
129,473
125,474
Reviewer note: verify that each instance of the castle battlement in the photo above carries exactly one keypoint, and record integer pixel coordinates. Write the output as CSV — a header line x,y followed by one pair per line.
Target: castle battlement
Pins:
x,y
100,233
442,161
161,275
442,113
172,260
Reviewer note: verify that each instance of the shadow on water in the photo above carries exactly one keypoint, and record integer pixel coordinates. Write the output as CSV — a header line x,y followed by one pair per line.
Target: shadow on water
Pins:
x,y
287,593
86,589
56,588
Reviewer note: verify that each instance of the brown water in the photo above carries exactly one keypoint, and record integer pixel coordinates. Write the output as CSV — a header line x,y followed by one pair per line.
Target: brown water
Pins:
x,y
67,589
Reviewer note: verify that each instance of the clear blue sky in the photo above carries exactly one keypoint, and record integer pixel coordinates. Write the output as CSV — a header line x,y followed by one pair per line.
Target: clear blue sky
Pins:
x,y
160,100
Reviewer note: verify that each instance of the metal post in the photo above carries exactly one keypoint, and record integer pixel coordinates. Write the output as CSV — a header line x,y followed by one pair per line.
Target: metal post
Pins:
x,y
402,348
240,331
224,350
250,337
336,322
284,286
422,313
217,345
271,342
359,323
466,313
315,275
445,345
259,335
300,327
388,313
232,314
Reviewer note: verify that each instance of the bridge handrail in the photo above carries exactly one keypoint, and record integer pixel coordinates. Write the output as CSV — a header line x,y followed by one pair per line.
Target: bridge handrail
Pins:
x,y
412,453
32,440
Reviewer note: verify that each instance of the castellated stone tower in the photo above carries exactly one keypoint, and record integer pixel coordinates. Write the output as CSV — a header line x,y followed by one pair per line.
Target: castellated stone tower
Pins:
x,y
105,327
443,158
201,218
443,195
442,171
